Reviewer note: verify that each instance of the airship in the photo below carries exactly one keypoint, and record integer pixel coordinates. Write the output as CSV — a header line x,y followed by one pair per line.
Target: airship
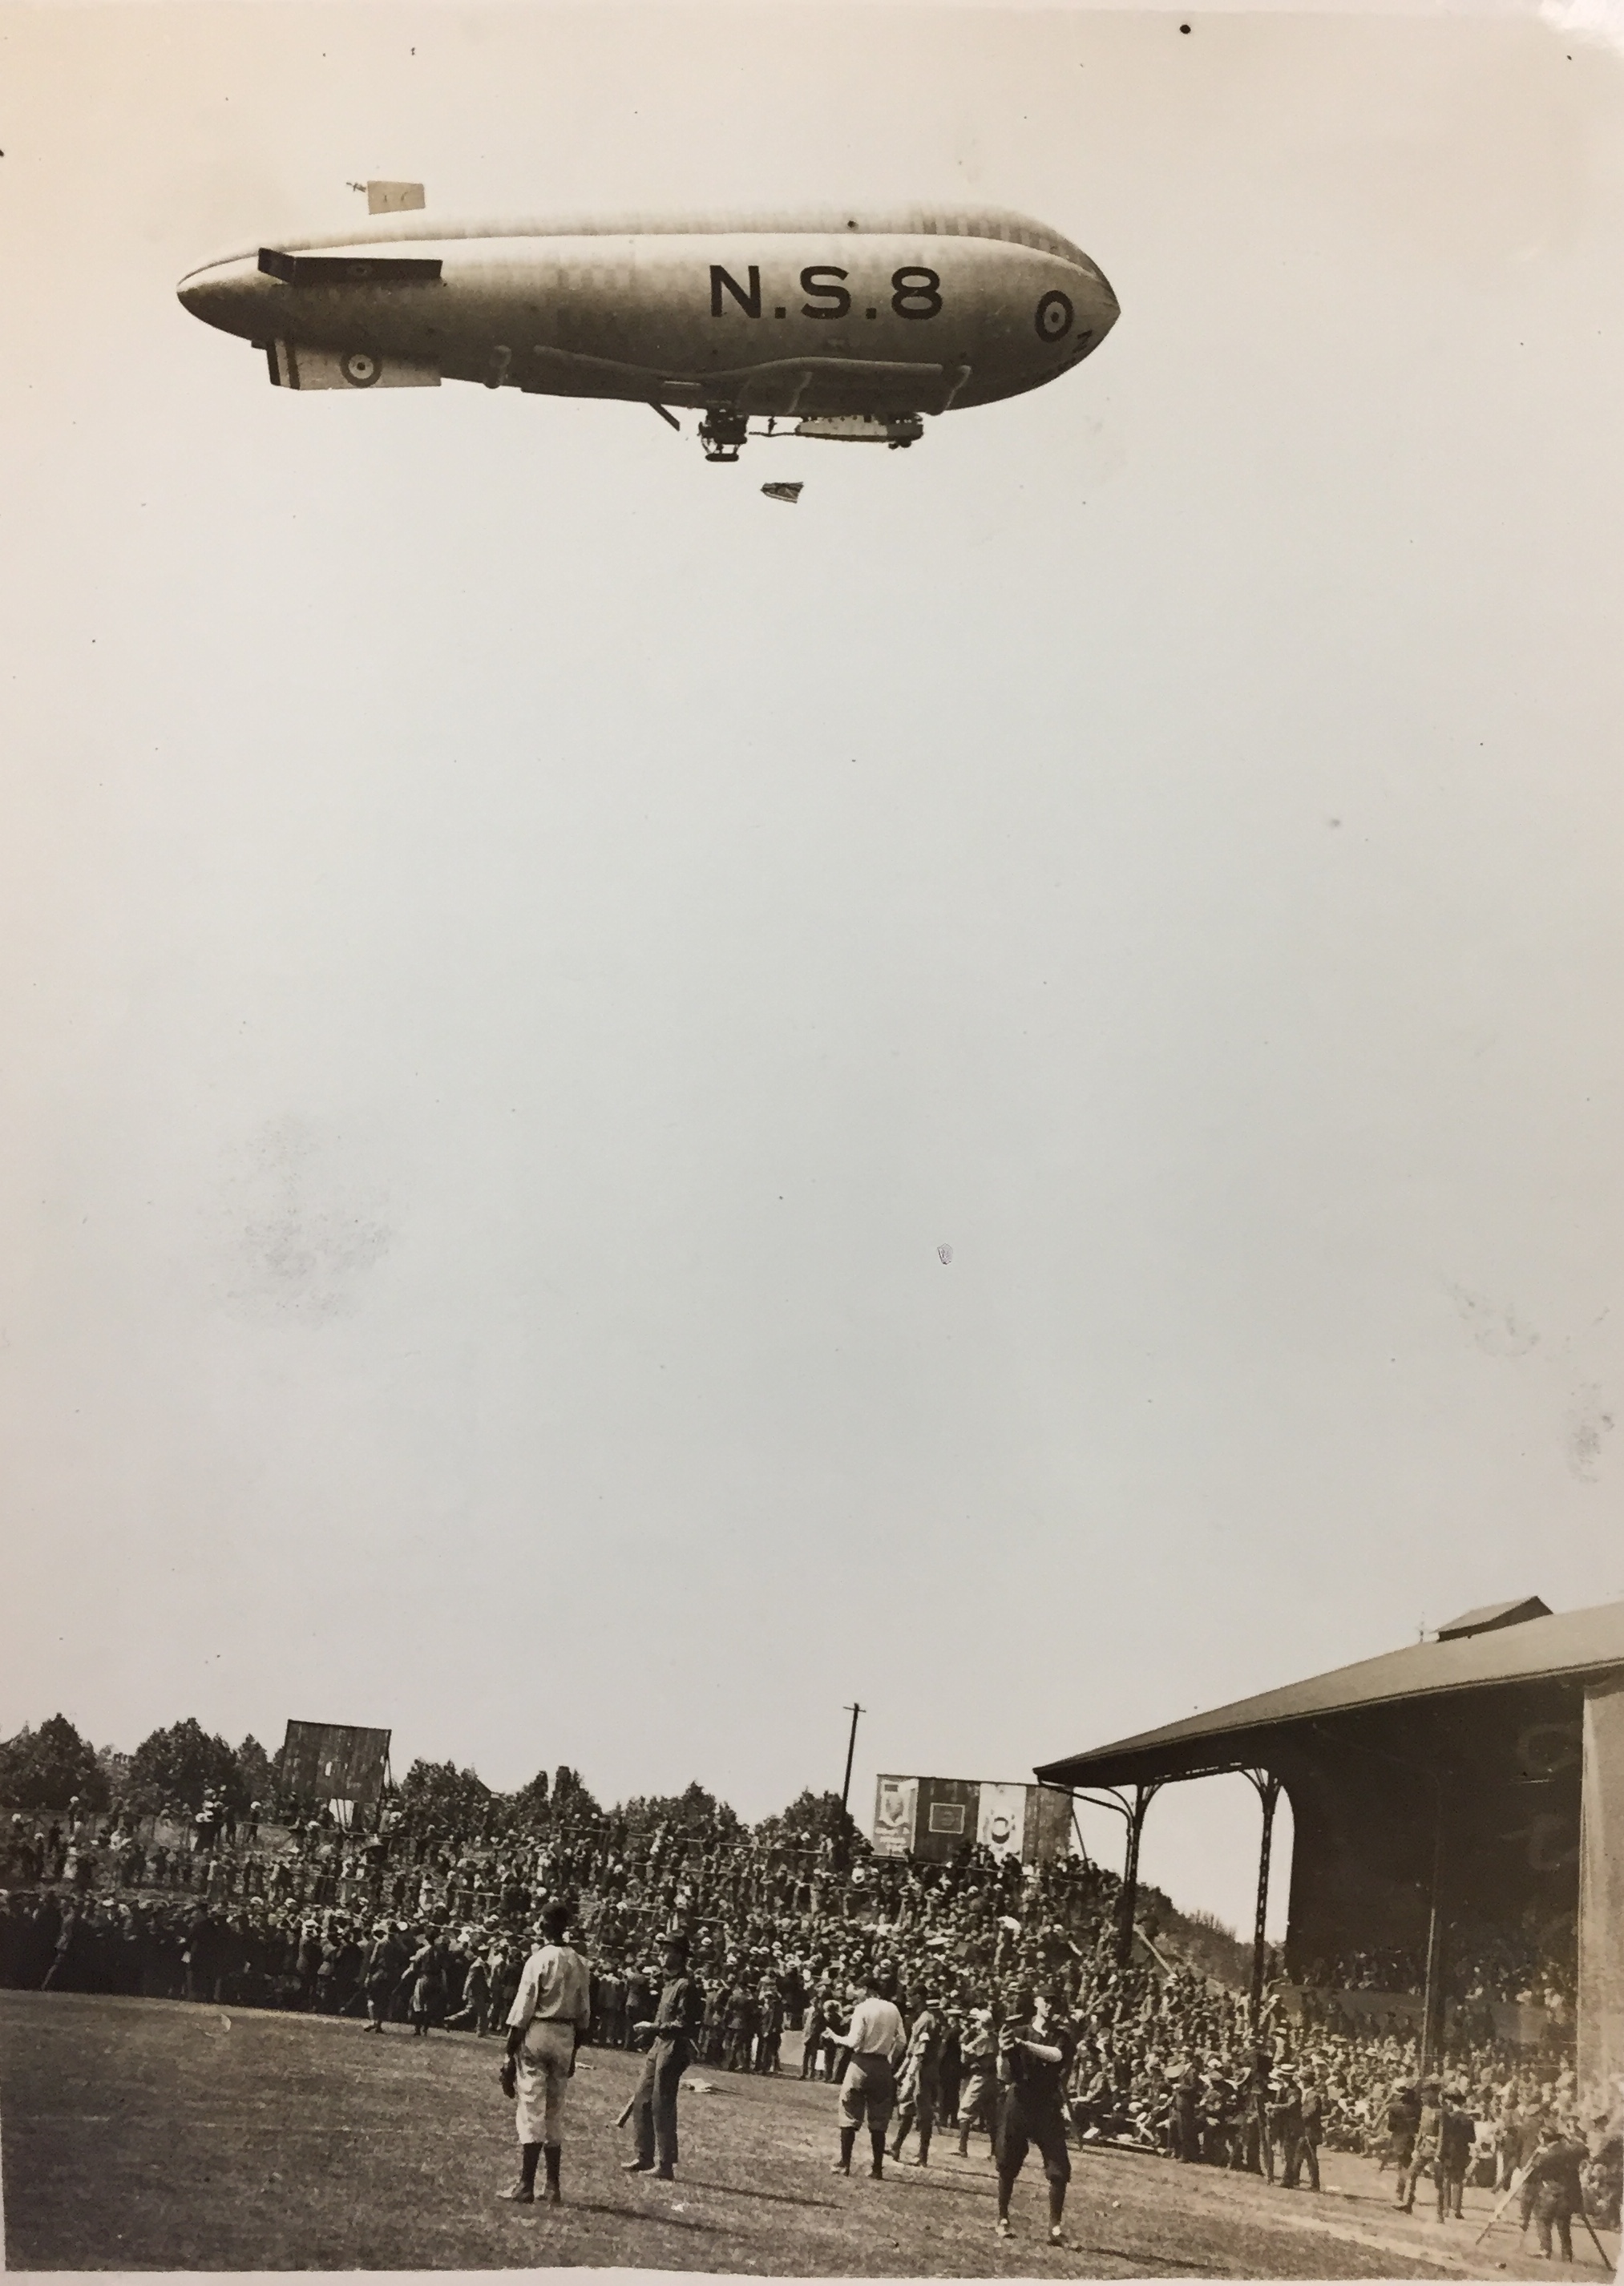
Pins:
x,y
856,328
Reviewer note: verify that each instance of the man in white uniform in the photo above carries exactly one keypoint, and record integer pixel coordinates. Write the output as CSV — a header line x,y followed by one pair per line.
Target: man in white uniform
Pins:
x,y
546,2024
876,2039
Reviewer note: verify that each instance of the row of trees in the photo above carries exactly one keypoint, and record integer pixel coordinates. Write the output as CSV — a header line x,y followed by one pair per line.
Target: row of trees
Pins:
x,y
459,1801
42,1771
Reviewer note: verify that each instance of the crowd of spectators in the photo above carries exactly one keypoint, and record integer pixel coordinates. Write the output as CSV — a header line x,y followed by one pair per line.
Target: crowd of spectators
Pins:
x,y
418,1923
1536,1967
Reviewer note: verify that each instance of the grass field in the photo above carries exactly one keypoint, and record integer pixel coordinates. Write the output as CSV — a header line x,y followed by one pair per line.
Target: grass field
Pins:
x,y
152,2135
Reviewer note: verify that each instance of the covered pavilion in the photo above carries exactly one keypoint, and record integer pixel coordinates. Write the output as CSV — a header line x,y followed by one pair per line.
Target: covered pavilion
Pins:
x,y
1478,1776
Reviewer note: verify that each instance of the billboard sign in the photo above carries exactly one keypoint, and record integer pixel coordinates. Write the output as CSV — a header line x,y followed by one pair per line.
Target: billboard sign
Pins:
x,y
946,1825
1000,1820
333,1761
938,1819
896,1803
1048,1826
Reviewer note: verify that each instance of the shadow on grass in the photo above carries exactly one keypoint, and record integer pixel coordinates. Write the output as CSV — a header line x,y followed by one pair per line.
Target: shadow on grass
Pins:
x,y
746,2191
666,2219
977,2185
1140,2261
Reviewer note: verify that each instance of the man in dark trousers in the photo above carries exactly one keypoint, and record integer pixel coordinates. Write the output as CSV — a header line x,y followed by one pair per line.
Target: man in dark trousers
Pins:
x,y
1457,2133
654,2107
474,2014
1254,2147
1185,2116
741,2026
1286,2131
948,2071
812,2037
918,2084
770,2007
1402,2121
385,1961
1035,2050
1314,2125
1553,2190
1424,2151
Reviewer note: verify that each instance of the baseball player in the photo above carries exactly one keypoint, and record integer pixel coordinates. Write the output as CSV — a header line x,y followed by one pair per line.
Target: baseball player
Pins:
x,y
546,2024
1036,2049
918,2083
978,2095
875,2041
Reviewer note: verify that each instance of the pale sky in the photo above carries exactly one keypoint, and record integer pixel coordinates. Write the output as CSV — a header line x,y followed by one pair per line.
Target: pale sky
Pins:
x,y
519,950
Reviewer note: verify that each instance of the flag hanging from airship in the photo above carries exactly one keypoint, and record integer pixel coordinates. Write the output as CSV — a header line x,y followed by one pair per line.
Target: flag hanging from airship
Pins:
x,y
394,198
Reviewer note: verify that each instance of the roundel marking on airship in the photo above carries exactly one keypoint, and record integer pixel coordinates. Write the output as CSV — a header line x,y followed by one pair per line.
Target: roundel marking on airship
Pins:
x,y
360,368
1055,317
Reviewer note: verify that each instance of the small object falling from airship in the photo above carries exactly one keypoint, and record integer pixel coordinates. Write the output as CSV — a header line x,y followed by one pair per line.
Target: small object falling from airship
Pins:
x,y
789,492
944,1255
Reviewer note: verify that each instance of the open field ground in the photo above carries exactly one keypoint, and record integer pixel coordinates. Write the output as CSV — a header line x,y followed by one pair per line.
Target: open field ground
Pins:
x,y
144,2134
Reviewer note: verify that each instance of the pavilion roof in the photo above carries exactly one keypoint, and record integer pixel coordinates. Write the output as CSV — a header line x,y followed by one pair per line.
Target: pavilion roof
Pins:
x,y
1567,1644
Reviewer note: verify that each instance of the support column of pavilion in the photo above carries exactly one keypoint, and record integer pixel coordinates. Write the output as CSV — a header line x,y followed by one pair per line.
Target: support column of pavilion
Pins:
x,y
1268,1791
1432,2006
1132,1811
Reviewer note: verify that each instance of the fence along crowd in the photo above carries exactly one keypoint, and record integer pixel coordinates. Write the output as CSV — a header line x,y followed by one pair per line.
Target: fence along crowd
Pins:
x,y
418,1924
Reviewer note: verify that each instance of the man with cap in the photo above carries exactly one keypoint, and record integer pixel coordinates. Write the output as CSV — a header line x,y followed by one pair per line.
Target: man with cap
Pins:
x,y
1036,2047
1254,2145
950,2067
1312,2108
814,2025
546,2024
507,1966
917,2087
978,2093
1403,2119
1553,2189
1221,2125
769,2018
1457,2134
874,2042
654,2107
1185,2119
611,2006
1424,2154
1286,2132
475,2013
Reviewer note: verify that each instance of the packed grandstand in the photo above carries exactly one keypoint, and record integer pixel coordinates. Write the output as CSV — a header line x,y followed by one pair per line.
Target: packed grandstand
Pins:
x,y
422,1912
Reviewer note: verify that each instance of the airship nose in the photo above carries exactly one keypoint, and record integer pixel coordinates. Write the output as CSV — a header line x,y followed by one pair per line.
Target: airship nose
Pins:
x,y
196,291
229,294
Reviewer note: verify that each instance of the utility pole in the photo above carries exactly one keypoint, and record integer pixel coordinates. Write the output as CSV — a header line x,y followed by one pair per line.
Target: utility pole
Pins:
x,y
851,1748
